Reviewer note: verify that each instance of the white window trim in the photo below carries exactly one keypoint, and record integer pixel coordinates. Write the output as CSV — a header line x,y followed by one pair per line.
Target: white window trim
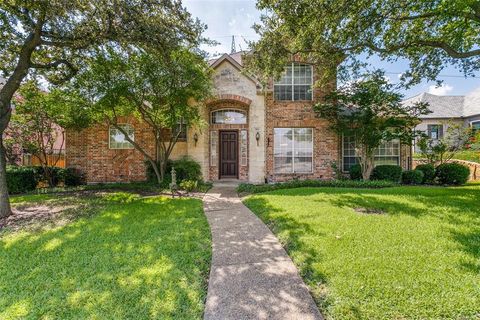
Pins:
x,y
293,150
124,148
293,82
474,122
230,109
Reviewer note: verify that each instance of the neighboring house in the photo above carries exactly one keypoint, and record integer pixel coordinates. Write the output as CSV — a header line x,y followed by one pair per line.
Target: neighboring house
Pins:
x,y
253,134
446,110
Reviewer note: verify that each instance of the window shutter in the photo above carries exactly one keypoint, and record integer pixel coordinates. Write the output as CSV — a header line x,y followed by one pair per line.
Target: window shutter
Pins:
x,y
440,131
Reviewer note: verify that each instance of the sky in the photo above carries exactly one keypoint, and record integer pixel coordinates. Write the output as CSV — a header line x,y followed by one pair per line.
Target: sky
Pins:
x,y
225,18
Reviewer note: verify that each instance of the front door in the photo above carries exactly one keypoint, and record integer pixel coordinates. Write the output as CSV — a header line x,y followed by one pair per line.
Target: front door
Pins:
x,y
228,154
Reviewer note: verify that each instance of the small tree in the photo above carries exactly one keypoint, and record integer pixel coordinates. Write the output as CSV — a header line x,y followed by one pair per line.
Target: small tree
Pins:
x,y
438,151
372,112
162,89
41,119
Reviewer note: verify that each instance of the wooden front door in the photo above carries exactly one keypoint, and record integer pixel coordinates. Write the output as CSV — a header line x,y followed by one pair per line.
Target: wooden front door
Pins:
x,y
228,154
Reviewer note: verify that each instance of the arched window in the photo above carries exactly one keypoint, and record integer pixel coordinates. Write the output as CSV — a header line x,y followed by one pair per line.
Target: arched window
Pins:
x,y
117,139
229,116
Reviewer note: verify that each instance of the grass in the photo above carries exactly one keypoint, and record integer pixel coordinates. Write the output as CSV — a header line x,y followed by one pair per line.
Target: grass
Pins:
x,y
134,258
420,259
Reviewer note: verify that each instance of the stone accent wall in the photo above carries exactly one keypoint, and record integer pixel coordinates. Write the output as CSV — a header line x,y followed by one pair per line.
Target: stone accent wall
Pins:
x,y
216,128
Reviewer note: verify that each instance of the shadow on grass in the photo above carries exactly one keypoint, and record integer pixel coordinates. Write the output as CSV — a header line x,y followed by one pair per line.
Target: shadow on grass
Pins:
x,y
458,207
144,259
290,232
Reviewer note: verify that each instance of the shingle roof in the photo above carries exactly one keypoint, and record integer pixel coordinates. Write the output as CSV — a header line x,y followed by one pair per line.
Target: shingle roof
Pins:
x,y
237,56
449,106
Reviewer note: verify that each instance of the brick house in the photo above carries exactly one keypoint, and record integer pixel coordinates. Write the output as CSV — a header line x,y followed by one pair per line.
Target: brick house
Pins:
x,y
253,134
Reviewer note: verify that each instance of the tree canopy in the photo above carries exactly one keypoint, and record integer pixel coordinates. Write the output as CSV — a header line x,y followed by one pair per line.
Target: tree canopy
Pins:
x,y
52,38
429,34
162,89
371,111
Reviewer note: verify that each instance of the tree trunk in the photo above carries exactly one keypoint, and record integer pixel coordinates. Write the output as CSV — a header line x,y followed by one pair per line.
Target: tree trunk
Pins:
x,y
5,209
156,170
367,167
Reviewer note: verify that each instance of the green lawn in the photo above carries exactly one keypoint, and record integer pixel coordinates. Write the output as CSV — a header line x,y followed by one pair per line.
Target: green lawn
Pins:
x,y
129,258
420,259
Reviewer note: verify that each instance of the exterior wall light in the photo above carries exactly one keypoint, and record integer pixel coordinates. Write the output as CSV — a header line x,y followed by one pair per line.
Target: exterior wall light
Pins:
x,y
257,136
195,138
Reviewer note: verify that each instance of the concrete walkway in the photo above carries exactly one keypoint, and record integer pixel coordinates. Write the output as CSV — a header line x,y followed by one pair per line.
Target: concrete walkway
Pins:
x,y
252,276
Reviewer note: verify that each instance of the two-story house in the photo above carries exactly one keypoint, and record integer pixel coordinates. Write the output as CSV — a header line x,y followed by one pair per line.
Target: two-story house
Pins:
x,y
254,134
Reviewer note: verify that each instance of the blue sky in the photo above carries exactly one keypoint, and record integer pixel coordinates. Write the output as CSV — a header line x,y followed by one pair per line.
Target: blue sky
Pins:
x,y
225,18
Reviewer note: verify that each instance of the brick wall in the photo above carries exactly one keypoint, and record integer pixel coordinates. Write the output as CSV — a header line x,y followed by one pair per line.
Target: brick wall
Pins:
x,y
299,114
88,150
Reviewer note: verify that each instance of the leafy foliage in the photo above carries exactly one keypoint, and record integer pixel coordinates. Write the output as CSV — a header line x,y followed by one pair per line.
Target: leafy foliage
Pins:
x,y
188,185
412,177
428,172
387,172
21,179
429,34
452,174
161,89
356,172
186,169
252,188
438,151
371,111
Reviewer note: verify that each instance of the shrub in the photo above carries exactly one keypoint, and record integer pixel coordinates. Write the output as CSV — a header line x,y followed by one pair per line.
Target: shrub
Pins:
x,y
412,177
72,177
57,174
21,179
452,174
356,172
386,172
185,168
188,185
428,172
252,188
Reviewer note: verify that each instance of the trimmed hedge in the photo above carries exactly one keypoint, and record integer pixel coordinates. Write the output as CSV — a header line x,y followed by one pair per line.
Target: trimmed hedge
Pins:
x,y
428,172
21,179
72,177
452,174
252,188
356,172
387,172
186,169
412,177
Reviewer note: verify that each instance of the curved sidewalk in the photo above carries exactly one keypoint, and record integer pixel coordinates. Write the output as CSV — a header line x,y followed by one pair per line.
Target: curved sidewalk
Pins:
x,y
251,276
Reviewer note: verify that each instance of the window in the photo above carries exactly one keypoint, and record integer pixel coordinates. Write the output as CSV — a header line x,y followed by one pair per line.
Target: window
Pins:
x,y
387,153
228,116
295,83
475,126
117,139
181,130
435,131
293,150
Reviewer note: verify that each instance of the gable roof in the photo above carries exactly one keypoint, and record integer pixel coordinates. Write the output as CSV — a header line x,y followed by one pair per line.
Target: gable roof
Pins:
x,y
236,60
449,106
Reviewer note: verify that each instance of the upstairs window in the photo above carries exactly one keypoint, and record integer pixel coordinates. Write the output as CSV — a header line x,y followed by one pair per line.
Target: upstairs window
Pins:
x,y
295,83
435,131
117,139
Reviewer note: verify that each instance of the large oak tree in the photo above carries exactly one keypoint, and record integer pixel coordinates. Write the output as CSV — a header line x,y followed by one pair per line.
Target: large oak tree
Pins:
x,y
53,37
429,34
